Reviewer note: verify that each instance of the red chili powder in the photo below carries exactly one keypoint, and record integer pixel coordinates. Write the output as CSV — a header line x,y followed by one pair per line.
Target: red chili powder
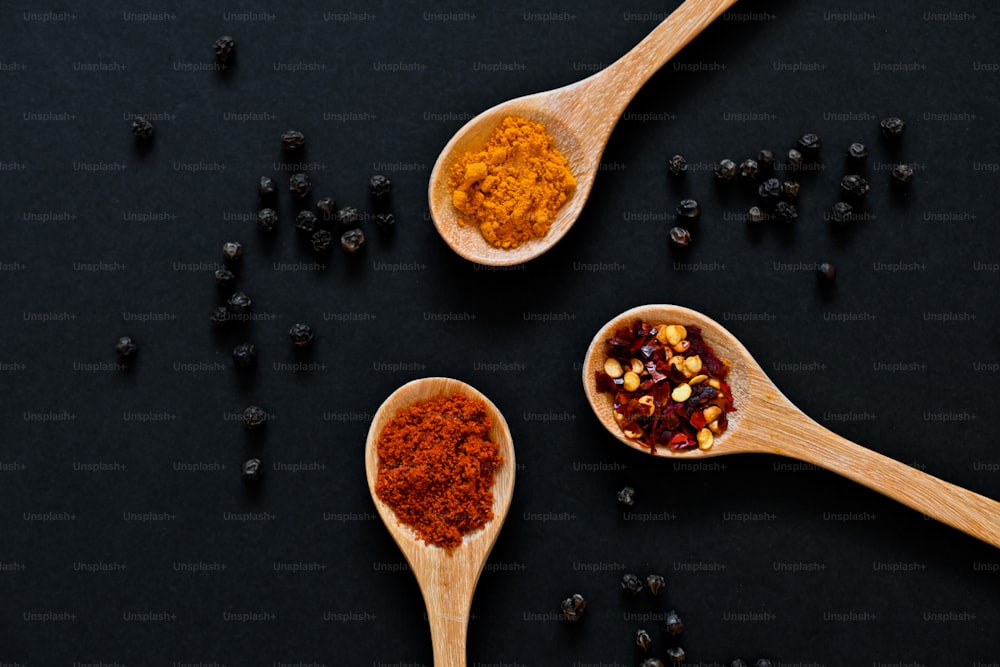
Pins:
x,y
435,468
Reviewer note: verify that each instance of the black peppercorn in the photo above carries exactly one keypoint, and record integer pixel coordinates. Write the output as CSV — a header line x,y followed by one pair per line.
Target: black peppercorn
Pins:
x,y
785,212
254,417
854,186
725,171
631,583
385,221
126,348
225,278
892,127
677,165
790,189
267,219
626,496
232,251
642,639
305,222
749,170
266,188
769,190
765,158
322,241
327,208
674,624
379,186
809,145
239,303
301,335
348,217
794,158
244,355
292,140
655,584
756,215
762,662
738,662
352,240
573,607
676,655
219,316
299,184
902,176
841,213
688,209
224,48
253,470
651,662
680,237
141,128
826,272
857,151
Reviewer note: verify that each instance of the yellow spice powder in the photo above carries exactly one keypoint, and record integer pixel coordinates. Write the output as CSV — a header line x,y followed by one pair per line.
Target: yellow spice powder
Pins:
x,y
513,187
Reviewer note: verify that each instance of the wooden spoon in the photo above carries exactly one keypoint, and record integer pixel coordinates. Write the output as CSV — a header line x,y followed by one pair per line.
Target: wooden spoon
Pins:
x,y
579,116
767,422
447,580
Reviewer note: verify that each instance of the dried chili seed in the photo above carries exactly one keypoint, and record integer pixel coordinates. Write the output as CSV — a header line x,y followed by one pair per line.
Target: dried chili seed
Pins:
x,y
673,623
892,127
352,240
677,165
239,303
327,208
267,219
749,170
785,212
142,129
573,607
826,272
348,217
676,654
219,316
305,222
769,191
225,278
254,417
322,241
292,140
726,170
299,184
245,355
386,222
642,639
765,159
790,189
841,213
854,185
809,145
266,188
902,176
680,237
252,470
857,151
794,158
755,215
301,335
126,348
655,584
224,48
631,583
379,186
232,251
626,496
688,209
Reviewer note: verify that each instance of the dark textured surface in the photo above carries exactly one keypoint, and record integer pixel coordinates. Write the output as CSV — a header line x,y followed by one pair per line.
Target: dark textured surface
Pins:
x,y
99,239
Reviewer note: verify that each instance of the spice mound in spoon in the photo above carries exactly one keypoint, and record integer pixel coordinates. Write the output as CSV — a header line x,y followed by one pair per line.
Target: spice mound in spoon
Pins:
x,y
669,387
435,468
514,186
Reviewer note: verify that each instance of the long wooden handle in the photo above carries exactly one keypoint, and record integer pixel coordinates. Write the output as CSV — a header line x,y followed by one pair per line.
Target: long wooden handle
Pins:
x,y
960,508
449,599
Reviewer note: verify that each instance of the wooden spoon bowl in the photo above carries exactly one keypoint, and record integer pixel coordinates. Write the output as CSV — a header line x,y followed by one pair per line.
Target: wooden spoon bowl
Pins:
x,y
447,580
765,421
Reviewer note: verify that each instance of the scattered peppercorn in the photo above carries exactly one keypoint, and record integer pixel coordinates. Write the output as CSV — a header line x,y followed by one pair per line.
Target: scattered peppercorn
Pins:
x,y
142,129
219,316
348,217
748,170
642,639
674,624
738,662
655,584
224,47
892,127
225,278
327,208
253,470
573,607
632,584
677,165
651,662
765,158
794,158
254,417
305,222
809,145
239,303
854,185
292,140
785,212
232,251
680,237
126,348
726,170
676,655
755,215
245,355
379,186
769,190
322,241
902,176
352,240
299,184
857,151
826,272
762,662
688,209
841,213
790,189
385,221
301,335
266,188
626,496
267,219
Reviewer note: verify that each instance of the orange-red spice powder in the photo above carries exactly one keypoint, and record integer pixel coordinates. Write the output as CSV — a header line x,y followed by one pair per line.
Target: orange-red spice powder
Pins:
x,y
435,468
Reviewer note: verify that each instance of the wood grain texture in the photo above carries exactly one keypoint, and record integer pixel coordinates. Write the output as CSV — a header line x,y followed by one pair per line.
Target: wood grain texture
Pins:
x,y
580,117
447,580
765,421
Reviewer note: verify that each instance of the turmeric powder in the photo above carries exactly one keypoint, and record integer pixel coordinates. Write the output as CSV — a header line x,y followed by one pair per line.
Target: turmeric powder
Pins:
x,y
514,186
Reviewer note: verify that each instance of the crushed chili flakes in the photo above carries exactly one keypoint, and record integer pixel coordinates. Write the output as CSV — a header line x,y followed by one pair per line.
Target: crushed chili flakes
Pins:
x,y
669,387
436,465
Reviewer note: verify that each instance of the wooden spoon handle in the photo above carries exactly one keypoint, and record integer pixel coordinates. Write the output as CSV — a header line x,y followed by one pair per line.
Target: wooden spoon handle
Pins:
x,y
448,600
960,508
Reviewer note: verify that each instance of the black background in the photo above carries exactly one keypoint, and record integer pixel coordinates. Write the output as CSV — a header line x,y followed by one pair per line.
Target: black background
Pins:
x,y
760,558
